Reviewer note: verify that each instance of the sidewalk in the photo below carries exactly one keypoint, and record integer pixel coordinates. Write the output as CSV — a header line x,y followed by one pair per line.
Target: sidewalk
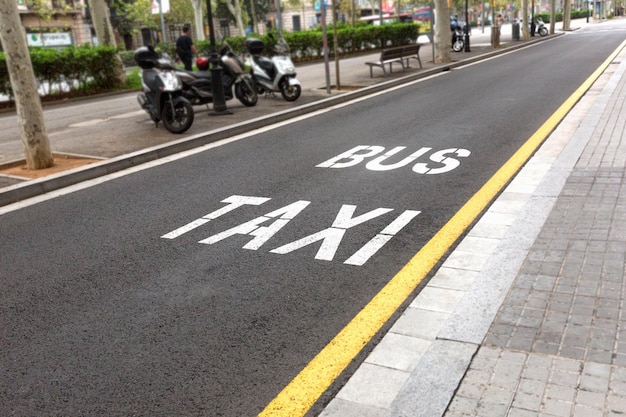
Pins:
x,y
527,316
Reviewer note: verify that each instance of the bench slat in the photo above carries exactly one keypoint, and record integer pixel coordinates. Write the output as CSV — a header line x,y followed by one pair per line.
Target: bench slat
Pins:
x,y
387,56
396,55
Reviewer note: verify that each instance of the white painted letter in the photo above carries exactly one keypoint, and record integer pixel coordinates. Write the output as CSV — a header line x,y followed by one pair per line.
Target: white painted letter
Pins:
x,y
376,165
352,157
440,156
370,248
263,234
235,201
331,237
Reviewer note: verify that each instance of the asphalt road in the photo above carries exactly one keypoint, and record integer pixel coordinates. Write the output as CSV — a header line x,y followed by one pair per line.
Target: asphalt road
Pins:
x,y
202,286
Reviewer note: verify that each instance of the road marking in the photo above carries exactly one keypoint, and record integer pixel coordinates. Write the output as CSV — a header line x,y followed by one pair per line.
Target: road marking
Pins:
x,y
306,388
93,122
443,158
330,237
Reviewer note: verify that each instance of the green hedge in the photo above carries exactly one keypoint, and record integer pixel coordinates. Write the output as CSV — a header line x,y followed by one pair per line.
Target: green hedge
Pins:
x,y
92,69
574,14
86,69
308,45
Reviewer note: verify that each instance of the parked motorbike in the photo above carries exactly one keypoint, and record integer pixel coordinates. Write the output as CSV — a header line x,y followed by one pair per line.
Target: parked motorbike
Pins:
x,y
541,27
458,39
197,84
273,74
162,96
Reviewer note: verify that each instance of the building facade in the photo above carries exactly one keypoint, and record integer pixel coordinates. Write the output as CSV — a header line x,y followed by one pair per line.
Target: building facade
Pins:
x,y
55,23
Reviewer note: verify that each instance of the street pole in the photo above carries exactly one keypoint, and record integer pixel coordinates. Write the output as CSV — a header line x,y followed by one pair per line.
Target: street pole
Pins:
x,y
279,20
217,89
325,45
467,27
482,16
162,21
337,83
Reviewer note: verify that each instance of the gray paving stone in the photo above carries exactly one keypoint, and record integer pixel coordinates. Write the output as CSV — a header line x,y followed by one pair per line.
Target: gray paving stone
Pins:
x,y
428,390
558,408
339,407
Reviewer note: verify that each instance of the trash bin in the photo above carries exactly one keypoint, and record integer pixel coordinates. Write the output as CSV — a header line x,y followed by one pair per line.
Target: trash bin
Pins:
x,y
515,31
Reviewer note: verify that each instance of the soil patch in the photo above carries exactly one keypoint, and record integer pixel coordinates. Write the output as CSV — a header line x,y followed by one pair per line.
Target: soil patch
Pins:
x,y
61,163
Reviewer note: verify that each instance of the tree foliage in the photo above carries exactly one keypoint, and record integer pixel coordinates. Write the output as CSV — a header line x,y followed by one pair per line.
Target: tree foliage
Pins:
x,y
139,12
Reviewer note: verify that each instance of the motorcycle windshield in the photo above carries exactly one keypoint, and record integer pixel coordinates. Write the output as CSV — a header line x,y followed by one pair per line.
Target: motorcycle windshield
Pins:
x,y
281,47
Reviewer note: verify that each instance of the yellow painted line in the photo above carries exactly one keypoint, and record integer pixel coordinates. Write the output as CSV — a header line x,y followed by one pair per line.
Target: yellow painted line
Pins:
x,y
304,390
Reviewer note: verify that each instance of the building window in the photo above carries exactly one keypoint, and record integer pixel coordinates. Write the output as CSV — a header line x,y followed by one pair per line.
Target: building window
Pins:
x,y
224,28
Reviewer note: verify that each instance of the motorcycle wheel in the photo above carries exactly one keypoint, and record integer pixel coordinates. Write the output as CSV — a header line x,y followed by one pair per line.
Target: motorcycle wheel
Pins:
x,y
246,94
290,92
458,45
177,118
543,31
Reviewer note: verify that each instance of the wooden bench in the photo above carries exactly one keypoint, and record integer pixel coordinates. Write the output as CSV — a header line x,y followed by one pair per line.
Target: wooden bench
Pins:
x,y
411,51
387,56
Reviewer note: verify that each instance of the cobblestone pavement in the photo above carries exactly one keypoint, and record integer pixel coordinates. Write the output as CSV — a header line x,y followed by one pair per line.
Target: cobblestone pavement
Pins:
x,y
557,346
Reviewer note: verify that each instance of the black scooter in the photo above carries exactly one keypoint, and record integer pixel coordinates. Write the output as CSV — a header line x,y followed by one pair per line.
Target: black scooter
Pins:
x,y
197,84
162,96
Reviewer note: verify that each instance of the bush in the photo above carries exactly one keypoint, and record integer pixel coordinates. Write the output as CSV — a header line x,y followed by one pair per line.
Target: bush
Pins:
x,y
307,45
133,80
70,71
83,70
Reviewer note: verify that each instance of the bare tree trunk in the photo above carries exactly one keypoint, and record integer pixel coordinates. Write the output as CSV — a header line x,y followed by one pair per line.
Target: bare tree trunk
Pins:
x,y
27,101
254,18
443,35
525,21
234,7
104,32
102,22
198,19
552,17
567,18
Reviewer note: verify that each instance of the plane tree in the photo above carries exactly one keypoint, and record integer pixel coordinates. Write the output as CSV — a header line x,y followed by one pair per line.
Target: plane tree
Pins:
x,y
27,102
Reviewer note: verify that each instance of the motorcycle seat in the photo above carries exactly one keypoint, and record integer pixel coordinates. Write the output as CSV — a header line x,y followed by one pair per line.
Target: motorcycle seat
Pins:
x,y
264,62
200,74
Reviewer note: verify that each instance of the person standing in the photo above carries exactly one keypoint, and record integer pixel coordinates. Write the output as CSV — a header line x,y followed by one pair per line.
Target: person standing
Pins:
x,y
185,49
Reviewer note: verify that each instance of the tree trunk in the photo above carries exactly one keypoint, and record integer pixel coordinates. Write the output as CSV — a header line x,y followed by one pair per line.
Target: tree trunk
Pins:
x,y
104,32
254,18
443,35
567,18
234,7
27,102
525,21
198,19
102,23
552,17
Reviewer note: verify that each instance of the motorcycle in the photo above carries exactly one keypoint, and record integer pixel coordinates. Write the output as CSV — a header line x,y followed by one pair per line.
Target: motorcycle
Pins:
x,y
541,27
197,84
275,74
162,96
458,39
